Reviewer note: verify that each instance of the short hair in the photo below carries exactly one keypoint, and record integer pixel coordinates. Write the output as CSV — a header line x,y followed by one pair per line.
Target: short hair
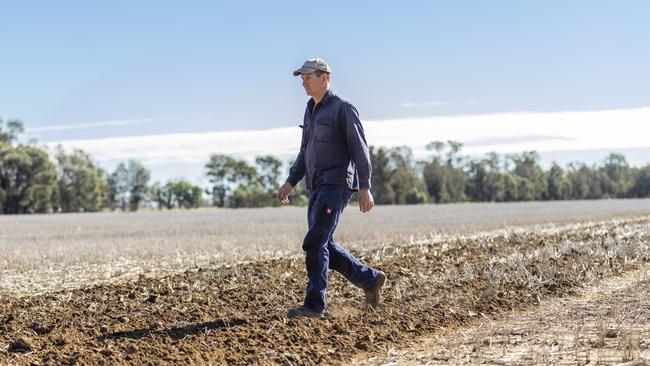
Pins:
x,y
319,73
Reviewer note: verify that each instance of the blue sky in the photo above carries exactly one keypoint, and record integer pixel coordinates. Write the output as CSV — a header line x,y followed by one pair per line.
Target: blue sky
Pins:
x,y
93,70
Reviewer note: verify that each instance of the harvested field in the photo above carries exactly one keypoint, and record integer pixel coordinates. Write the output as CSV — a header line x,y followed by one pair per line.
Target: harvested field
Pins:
x,y
235,313
48,252
608,323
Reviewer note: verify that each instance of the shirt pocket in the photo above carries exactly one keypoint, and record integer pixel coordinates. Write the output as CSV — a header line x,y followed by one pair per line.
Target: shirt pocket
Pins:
x,y
323,130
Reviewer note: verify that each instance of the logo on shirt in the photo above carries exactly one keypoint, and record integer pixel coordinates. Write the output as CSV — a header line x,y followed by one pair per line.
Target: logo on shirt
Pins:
x,y
328,211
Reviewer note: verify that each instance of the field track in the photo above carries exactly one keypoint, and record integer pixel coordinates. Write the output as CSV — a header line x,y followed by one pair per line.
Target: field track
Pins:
x,y
235,314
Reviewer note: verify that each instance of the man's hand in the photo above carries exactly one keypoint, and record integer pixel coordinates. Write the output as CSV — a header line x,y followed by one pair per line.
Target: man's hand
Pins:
x,y
283,193
366,202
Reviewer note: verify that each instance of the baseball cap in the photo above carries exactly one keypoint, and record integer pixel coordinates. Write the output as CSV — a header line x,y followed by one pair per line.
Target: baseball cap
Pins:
x,y
312,65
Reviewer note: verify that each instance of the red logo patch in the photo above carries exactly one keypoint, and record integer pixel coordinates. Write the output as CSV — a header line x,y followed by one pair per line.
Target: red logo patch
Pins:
x,y
328,210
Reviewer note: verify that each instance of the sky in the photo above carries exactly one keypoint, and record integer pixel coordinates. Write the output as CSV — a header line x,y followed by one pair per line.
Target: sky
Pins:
x,y
169,83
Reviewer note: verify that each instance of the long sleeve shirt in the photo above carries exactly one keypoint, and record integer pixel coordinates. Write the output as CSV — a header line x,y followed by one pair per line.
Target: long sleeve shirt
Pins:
x,y
333,149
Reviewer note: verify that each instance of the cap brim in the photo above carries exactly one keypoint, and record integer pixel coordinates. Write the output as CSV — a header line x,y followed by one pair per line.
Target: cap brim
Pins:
x,y
304,70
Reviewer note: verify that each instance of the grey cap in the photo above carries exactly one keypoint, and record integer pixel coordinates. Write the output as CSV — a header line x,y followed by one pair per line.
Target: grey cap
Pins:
x,y
312,65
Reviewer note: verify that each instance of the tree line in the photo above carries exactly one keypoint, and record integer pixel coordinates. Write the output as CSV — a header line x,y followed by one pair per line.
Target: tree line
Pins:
x,y
32,181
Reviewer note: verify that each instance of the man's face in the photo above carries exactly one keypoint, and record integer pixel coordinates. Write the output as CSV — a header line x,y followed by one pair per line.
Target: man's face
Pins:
x,y
313,84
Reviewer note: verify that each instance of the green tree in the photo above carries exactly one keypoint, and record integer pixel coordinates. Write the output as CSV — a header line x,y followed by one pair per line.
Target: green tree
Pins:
x,y
382,191
268,172
27,180
219,171
533,183
559,186
10,130
511,185
415,196
226,173
80,183
138,184
264,189
641,186
247,196
119,186
486,182
129,185
185,194
578,176
404,179
616,176
299,194
162,196
444,175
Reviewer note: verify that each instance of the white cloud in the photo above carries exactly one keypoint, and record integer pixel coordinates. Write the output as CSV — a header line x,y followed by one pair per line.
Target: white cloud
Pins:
x,y
83,126
423,104
501,132
511,140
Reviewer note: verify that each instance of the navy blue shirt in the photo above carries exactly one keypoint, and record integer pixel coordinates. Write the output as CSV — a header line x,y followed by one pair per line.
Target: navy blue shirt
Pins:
x,y
333,149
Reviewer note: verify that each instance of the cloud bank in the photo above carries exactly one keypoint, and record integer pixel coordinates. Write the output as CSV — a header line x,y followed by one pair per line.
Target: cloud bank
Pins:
x,y
500,132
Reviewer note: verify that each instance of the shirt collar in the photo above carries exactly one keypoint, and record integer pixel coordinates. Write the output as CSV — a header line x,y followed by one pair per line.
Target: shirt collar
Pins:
x,y
328,95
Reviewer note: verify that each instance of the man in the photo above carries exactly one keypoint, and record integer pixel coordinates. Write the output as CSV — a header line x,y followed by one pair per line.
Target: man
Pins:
x,y
335,162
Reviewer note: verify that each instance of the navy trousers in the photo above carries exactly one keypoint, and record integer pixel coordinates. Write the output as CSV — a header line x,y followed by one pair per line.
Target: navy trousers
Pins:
x,y
326,204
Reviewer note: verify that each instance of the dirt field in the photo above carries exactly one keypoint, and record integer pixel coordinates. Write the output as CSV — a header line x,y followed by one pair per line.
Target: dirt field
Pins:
x,y
235,313
48,252
608,323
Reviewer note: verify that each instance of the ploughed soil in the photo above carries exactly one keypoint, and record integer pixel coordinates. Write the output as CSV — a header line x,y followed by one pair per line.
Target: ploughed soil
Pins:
x,y
608,323
236,314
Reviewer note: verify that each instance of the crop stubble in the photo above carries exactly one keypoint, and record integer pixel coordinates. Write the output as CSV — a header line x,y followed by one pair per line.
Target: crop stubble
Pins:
x,y
40,253
235,314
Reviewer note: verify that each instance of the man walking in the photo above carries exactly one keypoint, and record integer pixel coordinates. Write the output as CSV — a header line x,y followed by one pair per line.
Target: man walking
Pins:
x,y
335,162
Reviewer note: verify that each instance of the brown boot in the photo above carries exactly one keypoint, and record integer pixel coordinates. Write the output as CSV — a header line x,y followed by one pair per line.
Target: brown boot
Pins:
x,y
374,292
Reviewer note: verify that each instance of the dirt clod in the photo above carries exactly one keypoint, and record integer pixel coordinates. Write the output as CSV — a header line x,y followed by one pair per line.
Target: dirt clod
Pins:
x,y
19,346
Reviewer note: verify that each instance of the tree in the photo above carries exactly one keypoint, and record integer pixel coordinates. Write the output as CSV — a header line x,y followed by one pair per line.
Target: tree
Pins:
x,y
80,183
128,185
110,194
119,186
578,176
485,180
415,196
9,134
444,176
533,184
510,187
435,174
559,186
299,194
138,180
641,187
264,188
176,193
617,176
404,180
268,172
225,172
246,196
162,195
221,173
27,180
185,194
382,191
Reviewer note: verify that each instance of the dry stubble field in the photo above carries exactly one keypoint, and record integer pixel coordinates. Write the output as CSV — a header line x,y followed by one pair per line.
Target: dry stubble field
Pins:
x,y
213,286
